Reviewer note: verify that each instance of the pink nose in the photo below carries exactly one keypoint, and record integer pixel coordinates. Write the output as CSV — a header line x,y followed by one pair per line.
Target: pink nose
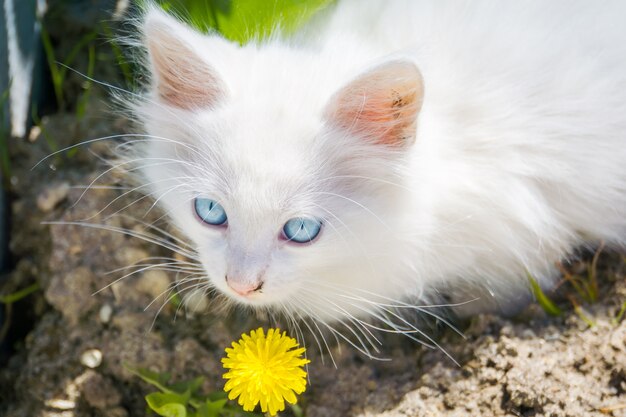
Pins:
x,y
244,288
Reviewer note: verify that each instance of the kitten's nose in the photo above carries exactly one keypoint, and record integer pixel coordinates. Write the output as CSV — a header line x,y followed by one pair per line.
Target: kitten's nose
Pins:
x,y
244,288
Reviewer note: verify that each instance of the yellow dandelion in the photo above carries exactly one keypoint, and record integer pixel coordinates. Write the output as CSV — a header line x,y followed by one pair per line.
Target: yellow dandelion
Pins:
x,y
265,369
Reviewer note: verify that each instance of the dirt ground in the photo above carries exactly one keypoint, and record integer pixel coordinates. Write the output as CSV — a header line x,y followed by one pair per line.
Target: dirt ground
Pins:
x,y
71,361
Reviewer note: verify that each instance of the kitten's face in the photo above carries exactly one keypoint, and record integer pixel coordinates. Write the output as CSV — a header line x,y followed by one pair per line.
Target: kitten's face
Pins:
x,y
283,179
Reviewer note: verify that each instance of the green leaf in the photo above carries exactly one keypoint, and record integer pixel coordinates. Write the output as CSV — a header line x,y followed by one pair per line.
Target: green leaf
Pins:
x,y
168,405
257,19
172,410
211,408
157,379
217,395
191,386
245,20
546,304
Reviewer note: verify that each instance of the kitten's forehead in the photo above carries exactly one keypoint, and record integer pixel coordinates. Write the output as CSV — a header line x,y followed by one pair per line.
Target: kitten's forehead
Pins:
x,y
273,177
263,193
270,132
255,165
279,83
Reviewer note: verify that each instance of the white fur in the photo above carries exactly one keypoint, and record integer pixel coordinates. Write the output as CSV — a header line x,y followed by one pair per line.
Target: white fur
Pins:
x,y
519,159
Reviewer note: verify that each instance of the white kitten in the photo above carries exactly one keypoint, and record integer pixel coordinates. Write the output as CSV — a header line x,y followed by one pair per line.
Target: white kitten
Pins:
x,y
390,150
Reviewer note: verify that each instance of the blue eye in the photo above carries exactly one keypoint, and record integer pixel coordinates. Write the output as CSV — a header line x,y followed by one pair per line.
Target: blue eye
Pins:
x,y
302,229
210,211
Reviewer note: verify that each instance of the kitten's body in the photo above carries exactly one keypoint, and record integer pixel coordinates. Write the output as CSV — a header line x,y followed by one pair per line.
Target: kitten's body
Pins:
x,y
519,156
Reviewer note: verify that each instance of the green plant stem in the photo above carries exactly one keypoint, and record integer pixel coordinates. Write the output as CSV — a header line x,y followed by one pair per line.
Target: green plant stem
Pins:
x,y
296,410
119,55
59,72
46,135
85,40
579,312
82,102
546,304
8,301
8,316
195,404
55,74
18,295
592,274
620,314
5,160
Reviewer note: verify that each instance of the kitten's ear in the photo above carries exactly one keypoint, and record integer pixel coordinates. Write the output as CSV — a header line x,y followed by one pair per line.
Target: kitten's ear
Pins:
x,y
380,105
181,77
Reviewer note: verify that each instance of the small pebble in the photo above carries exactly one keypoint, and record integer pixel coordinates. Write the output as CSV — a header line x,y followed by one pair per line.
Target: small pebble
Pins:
x,y
60,404
52,196
91,358
106,311
34,133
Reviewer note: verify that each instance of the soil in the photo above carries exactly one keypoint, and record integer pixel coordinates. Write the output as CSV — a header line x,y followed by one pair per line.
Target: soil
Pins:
x,y
82,331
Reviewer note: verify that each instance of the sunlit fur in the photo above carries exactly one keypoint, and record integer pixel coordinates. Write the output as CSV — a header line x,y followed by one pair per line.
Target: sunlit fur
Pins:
x,y
519,155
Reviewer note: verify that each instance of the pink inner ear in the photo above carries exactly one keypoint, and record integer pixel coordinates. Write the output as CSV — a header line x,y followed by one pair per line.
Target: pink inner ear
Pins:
x,y
381,105
182,78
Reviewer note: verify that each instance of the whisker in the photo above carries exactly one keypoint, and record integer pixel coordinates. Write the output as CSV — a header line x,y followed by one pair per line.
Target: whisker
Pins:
x,y
160,163
397,304
175,285
295,310
142,269
404,187
153,258
157,229
128,232
141,97
129,191
362,348
356,203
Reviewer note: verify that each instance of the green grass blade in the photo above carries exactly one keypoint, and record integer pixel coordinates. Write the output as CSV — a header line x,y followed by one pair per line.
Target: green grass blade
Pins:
x,y
18,295
122,62
55,73
546,304
5,159
620,314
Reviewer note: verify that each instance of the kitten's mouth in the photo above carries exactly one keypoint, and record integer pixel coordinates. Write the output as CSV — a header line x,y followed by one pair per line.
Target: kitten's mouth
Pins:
x,y
248,297
255,299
